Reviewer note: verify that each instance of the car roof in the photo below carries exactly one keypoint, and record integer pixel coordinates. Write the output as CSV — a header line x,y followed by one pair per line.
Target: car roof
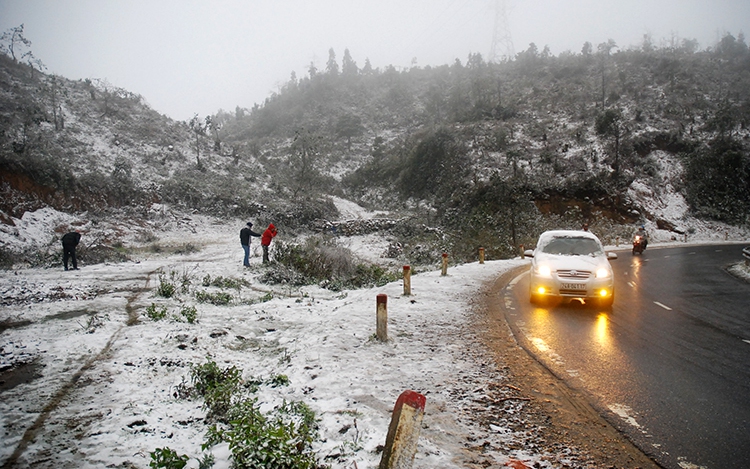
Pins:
x,y
567,234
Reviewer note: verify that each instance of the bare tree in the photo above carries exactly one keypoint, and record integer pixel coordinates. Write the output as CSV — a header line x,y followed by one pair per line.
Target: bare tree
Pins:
x,y
302,170
610,124
199,128
56,91
605,49
12,40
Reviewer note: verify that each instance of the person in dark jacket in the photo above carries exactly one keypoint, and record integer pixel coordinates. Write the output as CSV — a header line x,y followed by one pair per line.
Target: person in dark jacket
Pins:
x,y
265,240
69,243
245,234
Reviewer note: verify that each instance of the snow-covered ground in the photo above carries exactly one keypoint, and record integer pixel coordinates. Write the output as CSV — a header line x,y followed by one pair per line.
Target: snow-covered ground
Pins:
x,y
90,381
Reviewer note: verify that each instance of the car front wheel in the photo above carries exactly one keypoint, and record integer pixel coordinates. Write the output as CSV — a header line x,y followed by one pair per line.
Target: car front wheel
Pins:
x,y
607,302
536,299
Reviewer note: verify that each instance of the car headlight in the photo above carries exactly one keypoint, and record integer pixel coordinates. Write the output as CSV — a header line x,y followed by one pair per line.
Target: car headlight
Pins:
x,y
544,271
602,273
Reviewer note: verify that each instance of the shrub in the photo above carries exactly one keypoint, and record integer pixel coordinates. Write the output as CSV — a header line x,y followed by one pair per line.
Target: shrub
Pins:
x,y
146,236
367,275
285,275
278,380
225,282
218,299
100,254
282,439
156,313
187,248
189,313
278,441
166,289
322,260
167,458
185,281
216,386
267,297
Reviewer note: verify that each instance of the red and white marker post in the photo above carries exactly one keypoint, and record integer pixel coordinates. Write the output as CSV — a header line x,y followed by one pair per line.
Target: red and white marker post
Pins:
x,y
381,330
403,432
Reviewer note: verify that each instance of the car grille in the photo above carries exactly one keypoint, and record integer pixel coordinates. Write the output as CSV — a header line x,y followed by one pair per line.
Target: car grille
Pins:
x,y
575,293
576,274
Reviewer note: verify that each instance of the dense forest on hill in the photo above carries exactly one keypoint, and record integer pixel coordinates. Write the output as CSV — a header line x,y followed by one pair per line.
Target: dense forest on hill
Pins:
x,y
488,153
571,125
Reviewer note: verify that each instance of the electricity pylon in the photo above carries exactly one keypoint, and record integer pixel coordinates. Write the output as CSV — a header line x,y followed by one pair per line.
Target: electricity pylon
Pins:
x,y
502,43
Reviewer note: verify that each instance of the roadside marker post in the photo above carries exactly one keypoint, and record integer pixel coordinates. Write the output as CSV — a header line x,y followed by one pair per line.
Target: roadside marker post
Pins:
x,y
522,252
403,432
481,255
407,280
445,264
381,330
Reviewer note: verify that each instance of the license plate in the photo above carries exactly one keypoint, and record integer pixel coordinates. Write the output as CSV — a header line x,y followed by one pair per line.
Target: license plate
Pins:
x,y
573,286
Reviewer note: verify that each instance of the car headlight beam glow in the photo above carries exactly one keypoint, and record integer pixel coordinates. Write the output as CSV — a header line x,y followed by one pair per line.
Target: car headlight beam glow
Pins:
x,y
544,271
602,272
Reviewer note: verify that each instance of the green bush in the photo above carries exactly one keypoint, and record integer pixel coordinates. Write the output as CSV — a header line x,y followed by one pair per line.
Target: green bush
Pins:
x,y
225,282
167,458
267,297
166,289
278,380
322,260
368,275
156,313
717,178
189,313
218,299
282,440
217,386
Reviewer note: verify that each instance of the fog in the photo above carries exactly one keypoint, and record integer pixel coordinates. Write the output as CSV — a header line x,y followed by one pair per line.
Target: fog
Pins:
x,y
196,57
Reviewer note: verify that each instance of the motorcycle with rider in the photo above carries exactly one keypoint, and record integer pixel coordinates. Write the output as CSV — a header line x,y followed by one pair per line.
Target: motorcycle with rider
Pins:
x,y
640,240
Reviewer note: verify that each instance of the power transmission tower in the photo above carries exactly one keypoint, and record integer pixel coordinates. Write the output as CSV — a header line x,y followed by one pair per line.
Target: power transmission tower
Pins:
x,y
502,43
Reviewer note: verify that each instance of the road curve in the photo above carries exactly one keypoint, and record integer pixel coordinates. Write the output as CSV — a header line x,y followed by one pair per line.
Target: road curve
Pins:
x,y
669,365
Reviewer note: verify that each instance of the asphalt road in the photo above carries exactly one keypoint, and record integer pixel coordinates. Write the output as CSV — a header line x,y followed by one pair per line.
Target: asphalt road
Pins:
x,y
669,365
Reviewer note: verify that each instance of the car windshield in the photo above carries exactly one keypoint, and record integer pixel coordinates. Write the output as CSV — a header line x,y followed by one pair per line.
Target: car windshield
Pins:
x,y
572,246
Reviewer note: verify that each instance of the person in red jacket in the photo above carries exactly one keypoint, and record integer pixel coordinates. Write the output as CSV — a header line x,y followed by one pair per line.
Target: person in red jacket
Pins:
x,y
265,240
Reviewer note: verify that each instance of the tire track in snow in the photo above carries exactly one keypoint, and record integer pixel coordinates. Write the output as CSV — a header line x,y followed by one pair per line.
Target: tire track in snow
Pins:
x,y
31,432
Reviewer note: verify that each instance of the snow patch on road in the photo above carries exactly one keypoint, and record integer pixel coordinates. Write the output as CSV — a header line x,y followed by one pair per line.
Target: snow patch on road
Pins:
x,y
624,412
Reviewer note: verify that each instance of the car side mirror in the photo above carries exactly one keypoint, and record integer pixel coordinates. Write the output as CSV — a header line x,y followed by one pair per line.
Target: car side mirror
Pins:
x,y
528,253
611,256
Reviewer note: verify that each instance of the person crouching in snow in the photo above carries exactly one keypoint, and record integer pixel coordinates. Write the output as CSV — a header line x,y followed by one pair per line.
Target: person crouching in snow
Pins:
x,y
245,234
265,240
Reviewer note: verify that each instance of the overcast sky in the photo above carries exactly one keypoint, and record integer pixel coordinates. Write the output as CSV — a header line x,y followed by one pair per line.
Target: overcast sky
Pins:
x,y
189,57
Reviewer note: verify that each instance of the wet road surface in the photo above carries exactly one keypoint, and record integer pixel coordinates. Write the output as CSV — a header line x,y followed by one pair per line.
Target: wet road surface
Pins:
x,y
669,365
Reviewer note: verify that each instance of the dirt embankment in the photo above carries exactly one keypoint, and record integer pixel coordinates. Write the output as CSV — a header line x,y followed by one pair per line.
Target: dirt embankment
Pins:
x,y
562,416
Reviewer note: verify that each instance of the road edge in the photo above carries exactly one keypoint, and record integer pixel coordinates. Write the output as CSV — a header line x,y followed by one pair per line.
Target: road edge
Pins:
x,y
563,416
